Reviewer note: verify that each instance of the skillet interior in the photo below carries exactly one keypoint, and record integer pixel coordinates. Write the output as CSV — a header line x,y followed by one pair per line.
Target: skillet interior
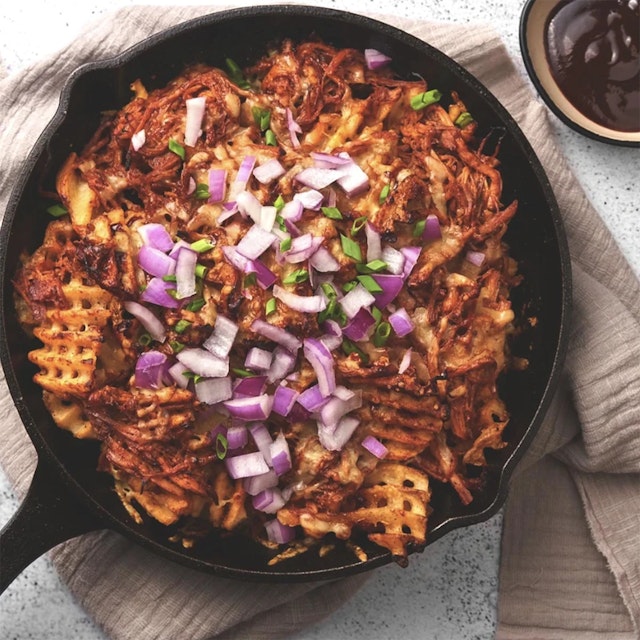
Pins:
x,y
535,236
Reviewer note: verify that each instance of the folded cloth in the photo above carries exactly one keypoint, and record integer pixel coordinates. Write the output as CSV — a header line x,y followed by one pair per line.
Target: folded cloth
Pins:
x,y
570,563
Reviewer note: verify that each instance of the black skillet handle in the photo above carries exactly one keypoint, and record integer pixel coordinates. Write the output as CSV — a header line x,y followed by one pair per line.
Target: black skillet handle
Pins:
x,y
48,516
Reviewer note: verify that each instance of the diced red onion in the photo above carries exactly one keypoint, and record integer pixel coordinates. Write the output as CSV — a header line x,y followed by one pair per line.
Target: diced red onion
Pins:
x,y
283,363
375,59
360,326
156,262
411,255
401,322
375,447
318,178
391,286
264,276
250,409
176,247
246,465
332,412
213,390
432,228
268,216
186,273
150,370
195,115
250,386
255,242
280,455
147,319
292,210
191,186
323,261
138,139
475,258
156,293
217,185
177,371
203,363
311,199
374,243
304,304
394,260
332,342
229,210
321,360
354,180
269,171
278,532
405,362
244,173
302,248
235,258
355,300
254,485
294,128
258,359
283,400
277,334
155,235
249,205
343,393
263,440
237,437
269,501
335,441
331,198
328,161
221,339
312,399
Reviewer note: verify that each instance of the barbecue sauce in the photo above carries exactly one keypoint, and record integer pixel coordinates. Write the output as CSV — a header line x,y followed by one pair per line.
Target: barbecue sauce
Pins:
x,y
592,51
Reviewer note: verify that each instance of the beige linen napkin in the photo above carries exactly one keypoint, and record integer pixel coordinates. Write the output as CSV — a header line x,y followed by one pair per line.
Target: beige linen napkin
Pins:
x,y
571,548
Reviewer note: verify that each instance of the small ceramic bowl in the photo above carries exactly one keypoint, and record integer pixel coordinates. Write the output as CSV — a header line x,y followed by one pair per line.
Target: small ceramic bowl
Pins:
x,y
533,29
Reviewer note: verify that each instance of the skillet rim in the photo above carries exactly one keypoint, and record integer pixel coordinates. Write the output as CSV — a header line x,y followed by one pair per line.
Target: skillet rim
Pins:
x,y
378,28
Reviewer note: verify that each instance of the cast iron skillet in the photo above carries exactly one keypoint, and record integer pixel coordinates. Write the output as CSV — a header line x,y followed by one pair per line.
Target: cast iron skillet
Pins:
x,y
68,496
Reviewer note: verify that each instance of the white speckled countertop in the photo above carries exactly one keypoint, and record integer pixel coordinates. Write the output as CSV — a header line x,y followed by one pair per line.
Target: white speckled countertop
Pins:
x,y
448,592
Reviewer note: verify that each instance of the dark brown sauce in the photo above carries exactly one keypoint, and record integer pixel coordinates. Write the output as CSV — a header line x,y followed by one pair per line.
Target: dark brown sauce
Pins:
x,y
592,50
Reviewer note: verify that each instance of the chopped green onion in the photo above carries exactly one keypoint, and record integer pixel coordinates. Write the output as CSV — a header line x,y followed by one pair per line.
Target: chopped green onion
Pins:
x,y
270,138
173,293
424,99
170,278
236,75
381,334
195,305
145,339
384,193
270,306
202,245
222,444
329,291
333,311
375,266
279,203
202,191
358,224
463,119
418,229
280,222
351,248
332,212
192,376
296,277
181,326
243,373
347,286
176,346
57,210
285,244
249,280
201,271
376,313
177,148
262,117
349,347
370,284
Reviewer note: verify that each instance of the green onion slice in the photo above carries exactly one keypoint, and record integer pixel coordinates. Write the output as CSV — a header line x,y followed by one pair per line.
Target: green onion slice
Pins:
x,y
332,212
262,117
358,224
370,284
202,191
381,334
296,277
270,306
181,326
384,193
177,148
463,119
424,99
202,245
351,248
270,138
57,210
222,445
